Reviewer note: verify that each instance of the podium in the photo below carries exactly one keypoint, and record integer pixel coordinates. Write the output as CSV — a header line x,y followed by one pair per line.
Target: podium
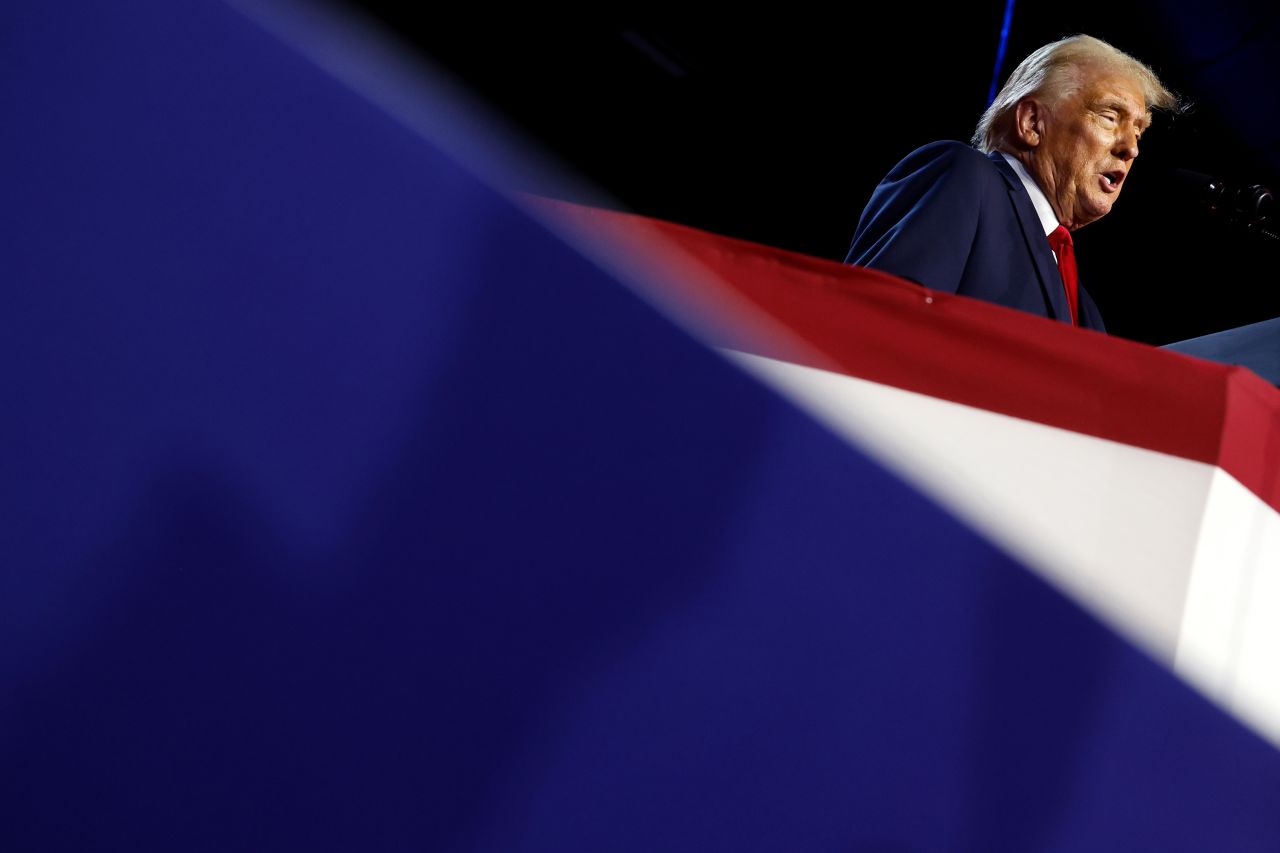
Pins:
x,y
1142,482
1255,346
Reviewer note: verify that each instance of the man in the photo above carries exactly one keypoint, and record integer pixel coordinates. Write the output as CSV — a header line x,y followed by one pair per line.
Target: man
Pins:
x,y
1051,155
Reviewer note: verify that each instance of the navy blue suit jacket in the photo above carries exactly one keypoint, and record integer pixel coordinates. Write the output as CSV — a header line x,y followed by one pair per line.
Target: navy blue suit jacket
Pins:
x,y
954,219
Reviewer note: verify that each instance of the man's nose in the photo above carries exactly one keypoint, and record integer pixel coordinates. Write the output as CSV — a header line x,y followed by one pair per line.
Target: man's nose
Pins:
x,y
1126,147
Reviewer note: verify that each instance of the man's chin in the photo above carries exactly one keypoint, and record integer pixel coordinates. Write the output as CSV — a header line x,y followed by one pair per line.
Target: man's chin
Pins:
x,y
1093,211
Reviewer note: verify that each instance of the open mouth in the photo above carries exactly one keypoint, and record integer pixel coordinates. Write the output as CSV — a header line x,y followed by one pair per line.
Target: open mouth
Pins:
x,y
1111,180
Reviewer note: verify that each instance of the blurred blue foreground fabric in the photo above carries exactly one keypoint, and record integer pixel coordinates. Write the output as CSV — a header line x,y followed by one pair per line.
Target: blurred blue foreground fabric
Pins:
x,y
345,507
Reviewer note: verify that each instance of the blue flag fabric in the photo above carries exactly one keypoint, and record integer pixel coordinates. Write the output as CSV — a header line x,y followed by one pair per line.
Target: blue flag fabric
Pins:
x,y
348,508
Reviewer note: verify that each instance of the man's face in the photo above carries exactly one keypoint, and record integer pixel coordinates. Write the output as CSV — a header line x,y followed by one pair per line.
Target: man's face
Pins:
x,y
1084,146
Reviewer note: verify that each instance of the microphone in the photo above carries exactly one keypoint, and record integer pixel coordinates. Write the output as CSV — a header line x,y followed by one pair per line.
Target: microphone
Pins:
x,y
1249,206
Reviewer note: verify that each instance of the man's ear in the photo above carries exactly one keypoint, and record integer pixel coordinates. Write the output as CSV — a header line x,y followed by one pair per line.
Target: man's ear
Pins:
x,y
1028,118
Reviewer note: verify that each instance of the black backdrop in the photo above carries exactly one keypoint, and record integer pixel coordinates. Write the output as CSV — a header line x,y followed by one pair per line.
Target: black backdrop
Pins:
x,y
776,127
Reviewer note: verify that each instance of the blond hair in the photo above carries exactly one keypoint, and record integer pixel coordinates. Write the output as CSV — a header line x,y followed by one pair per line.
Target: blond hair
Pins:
x,y
1055,71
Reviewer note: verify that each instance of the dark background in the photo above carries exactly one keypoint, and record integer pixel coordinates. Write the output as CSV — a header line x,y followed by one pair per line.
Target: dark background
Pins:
x,y
776,127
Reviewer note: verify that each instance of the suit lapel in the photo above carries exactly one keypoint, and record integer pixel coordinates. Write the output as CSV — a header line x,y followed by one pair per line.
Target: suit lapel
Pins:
x,y
1037,244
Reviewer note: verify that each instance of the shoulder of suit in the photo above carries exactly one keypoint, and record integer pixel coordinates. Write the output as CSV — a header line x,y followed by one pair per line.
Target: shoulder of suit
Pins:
x,y
954,155
948,167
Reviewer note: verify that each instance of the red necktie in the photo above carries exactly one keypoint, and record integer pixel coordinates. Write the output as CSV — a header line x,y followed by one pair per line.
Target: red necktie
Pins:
x,y
1060,242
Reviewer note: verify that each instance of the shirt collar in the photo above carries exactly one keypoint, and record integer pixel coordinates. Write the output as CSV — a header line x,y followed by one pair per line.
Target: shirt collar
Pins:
x,y
1048,220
